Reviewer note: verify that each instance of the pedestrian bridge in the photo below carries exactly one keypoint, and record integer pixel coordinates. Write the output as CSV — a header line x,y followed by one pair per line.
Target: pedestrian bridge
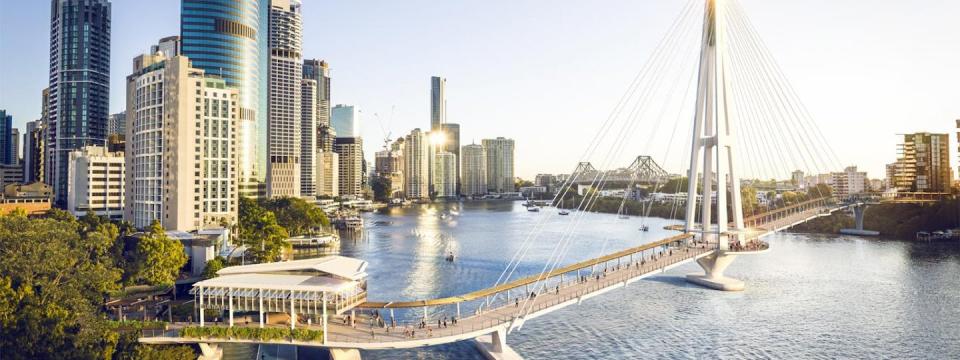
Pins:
x,y
497,311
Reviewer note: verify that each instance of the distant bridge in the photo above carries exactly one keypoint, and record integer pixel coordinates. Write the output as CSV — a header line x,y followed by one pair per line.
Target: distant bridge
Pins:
x,y
643,171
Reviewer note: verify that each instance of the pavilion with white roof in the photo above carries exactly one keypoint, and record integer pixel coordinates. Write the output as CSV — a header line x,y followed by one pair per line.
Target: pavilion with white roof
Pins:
x,y
307,287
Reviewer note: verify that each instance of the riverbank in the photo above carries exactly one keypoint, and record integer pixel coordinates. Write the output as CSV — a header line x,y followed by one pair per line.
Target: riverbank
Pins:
x,y
897,221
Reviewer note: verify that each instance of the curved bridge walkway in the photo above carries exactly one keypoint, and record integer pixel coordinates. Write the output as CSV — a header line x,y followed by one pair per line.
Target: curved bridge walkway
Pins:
x,y
506,307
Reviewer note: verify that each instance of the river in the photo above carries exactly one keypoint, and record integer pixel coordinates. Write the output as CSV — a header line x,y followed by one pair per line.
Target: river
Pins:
x,y
811,296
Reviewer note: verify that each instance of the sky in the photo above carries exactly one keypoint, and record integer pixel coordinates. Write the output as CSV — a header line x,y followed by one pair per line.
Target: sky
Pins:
x,y
547,73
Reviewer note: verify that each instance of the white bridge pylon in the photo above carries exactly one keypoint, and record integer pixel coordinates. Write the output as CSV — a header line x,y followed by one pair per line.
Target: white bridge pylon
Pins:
x,y
713,154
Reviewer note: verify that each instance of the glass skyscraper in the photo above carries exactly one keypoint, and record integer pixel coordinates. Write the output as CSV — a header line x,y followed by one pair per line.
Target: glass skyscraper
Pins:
x,y
79,83
229,38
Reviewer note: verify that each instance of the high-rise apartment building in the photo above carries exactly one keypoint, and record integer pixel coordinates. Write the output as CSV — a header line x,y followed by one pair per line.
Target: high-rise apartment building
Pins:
x,y
416,158
445,175
229,38
309,137
849,182
79,84
389,163
182,150
14,146
451,144
7,151
96,182
474,166
350,151
438,102
117,125
345,120
500,177
33,152
285,116
923,163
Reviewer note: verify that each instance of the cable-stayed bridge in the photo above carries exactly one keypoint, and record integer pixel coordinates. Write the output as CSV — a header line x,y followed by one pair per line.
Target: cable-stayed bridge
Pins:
x,y
747,122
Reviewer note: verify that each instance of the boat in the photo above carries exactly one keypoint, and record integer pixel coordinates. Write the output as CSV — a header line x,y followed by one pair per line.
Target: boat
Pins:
x,y
624,217
533,209
450,257
644,228
562,210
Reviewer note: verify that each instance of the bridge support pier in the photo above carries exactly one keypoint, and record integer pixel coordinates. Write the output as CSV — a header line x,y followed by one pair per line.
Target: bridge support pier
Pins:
x,y
344,354
494,346
210,351
713,266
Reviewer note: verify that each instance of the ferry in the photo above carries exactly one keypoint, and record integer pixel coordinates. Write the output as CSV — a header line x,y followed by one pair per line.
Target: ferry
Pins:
x,y
533,209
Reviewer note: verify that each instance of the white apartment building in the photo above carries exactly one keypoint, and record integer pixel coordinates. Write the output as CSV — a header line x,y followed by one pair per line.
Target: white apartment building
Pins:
x,y
500,177
474,167
445,175
350,151
95,182
181,146
328,173
309,137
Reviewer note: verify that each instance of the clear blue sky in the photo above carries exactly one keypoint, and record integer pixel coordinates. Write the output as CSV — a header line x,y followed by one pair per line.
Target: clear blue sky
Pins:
x,y
548,72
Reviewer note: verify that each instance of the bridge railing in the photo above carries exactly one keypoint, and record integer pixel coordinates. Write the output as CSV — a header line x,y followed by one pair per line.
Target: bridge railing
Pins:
x,y
761,219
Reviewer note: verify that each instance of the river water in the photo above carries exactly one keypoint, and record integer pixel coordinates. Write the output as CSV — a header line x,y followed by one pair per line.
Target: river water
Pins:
x,y
811,296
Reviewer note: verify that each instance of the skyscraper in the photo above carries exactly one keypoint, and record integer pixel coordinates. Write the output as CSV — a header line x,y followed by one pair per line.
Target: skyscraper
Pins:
x,y
33,152
79,83
7,155
319,71
346,120
474,165
499,164
285,116
182,146
445,175
416,157
350,151
451,134
229,38
438,102
14,146
309,135
169,46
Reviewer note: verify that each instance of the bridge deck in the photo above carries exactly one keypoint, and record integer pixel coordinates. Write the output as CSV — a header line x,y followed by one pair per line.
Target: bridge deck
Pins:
x,y
503,312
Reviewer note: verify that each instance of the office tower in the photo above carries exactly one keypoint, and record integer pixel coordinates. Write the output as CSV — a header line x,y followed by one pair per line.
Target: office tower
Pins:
x,y
451,134
350,151
117,124
499,164
33,152
438,102
328,174
923,163
345,120
319,71
7,155
849,182
182,150
309,135
168,46
229,38
445,175
10,174
474,166
79,84
14,146
285,116
96,182
416,153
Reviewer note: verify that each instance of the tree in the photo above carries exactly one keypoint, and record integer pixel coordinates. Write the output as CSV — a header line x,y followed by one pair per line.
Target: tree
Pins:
x,y
214,265
297,216
259,231
159,258
52,284
381,186
673,186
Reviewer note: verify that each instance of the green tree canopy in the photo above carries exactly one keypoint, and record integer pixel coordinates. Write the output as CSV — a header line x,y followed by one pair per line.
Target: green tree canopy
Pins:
x,y
381,186
297,216
214,265
159,258
260,233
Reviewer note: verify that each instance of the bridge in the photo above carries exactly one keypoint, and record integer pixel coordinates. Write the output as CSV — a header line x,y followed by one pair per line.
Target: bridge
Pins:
x,y
734,78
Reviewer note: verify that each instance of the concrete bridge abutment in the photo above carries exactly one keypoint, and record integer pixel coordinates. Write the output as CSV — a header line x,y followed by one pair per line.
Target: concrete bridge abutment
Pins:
x,y
713,266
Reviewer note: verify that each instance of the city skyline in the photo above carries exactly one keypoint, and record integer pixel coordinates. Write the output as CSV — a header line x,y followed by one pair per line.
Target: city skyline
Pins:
x,y
866,69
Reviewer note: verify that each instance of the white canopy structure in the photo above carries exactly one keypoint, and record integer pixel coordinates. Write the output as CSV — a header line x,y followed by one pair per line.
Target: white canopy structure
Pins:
x,y
308,287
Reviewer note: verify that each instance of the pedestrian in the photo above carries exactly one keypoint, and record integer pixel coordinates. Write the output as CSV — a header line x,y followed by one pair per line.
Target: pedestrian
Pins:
x,y
517,302
558,289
